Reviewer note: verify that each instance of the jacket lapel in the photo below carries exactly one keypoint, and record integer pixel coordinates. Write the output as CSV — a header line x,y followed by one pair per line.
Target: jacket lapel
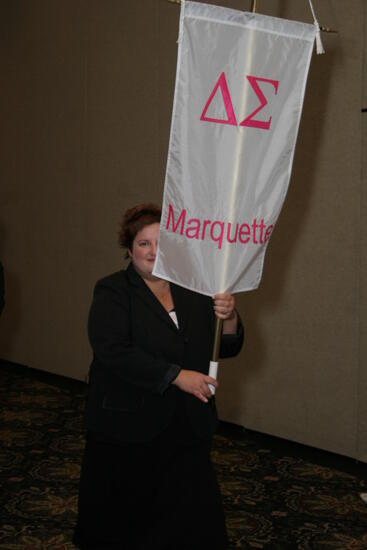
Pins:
x,y
143,291
182,305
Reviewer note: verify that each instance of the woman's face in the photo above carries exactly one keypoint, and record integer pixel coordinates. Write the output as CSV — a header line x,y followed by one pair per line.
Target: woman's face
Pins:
x,y
144,249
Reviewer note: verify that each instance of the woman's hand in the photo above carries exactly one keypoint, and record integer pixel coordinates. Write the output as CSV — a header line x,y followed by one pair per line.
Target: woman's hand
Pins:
x,y
224,308
195,383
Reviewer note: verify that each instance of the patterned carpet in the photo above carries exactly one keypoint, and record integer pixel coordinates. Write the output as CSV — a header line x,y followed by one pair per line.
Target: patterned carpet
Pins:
x,y
273,499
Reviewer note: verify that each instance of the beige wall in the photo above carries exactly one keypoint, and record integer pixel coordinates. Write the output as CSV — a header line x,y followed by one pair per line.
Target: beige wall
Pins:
x,y
85,110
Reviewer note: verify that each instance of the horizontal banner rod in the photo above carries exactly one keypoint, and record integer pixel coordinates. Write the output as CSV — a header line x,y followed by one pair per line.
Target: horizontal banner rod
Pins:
x,y
254,9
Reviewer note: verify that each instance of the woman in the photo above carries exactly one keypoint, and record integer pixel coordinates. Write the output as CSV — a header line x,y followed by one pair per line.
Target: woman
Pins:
x,y
147,482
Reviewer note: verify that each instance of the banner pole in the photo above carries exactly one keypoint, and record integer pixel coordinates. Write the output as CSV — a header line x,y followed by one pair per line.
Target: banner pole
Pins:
x,y
217,338
213,365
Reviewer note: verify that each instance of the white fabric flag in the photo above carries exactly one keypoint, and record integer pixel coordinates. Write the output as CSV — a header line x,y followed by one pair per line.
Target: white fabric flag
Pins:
x,y
240,85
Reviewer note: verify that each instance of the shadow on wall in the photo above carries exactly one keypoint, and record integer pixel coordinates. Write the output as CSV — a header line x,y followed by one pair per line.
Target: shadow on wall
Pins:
x,y
11,315
279,256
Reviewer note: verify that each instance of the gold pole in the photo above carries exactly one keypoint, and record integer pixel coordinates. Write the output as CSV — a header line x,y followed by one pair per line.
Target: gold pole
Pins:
x,y
254,9
254,6
217,339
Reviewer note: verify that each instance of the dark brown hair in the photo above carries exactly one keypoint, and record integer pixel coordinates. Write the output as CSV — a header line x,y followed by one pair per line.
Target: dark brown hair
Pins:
x,y
134,220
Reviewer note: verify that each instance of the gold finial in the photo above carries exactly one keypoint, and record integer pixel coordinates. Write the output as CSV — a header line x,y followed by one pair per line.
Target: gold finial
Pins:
x,y
327,29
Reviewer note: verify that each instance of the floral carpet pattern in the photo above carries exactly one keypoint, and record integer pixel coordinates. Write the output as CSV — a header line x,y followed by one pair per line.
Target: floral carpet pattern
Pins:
x,y
272,500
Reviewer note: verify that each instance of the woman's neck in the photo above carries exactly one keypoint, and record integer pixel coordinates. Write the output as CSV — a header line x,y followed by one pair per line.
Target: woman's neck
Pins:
x,y
159,287
162,291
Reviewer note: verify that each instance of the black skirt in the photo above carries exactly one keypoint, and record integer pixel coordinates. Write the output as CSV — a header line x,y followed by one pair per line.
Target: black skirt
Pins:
x,y
160,495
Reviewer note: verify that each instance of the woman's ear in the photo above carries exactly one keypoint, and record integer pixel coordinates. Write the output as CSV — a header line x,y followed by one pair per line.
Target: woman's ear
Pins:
x,y
129,252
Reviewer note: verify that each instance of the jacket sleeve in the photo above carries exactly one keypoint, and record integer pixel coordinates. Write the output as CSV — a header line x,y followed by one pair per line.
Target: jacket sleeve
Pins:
x,y
109,330
231,344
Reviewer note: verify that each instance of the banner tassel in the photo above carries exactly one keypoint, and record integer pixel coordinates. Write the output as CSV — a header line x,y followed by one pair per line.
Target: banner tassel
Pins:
x,y
319,45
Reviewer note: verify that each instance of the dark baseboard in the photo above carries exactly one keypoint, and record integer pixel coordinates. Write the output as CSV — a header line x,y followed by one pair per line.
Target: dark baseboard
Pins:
x,y
44,376
282,447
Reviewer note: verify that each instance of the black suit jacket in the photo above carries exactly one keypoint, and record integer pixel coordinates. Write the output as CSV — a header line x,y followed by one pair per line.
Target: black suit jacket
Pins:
x,y
138,352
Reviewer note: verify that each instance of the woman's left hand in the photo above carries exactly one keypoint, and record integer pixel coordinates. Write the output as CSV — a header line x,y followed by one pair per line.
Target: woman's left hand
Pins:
x,y
224,306
225,310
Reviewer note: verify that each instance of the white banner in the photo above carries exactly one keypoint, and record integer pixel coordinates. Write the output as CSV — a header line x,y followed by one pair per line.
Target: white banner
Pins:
x,y
240,85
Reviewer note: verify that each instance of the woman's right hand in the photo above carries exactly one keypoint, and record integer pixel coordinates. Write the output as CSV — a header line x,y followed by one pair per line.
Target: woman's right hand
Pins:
x,y
195,383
